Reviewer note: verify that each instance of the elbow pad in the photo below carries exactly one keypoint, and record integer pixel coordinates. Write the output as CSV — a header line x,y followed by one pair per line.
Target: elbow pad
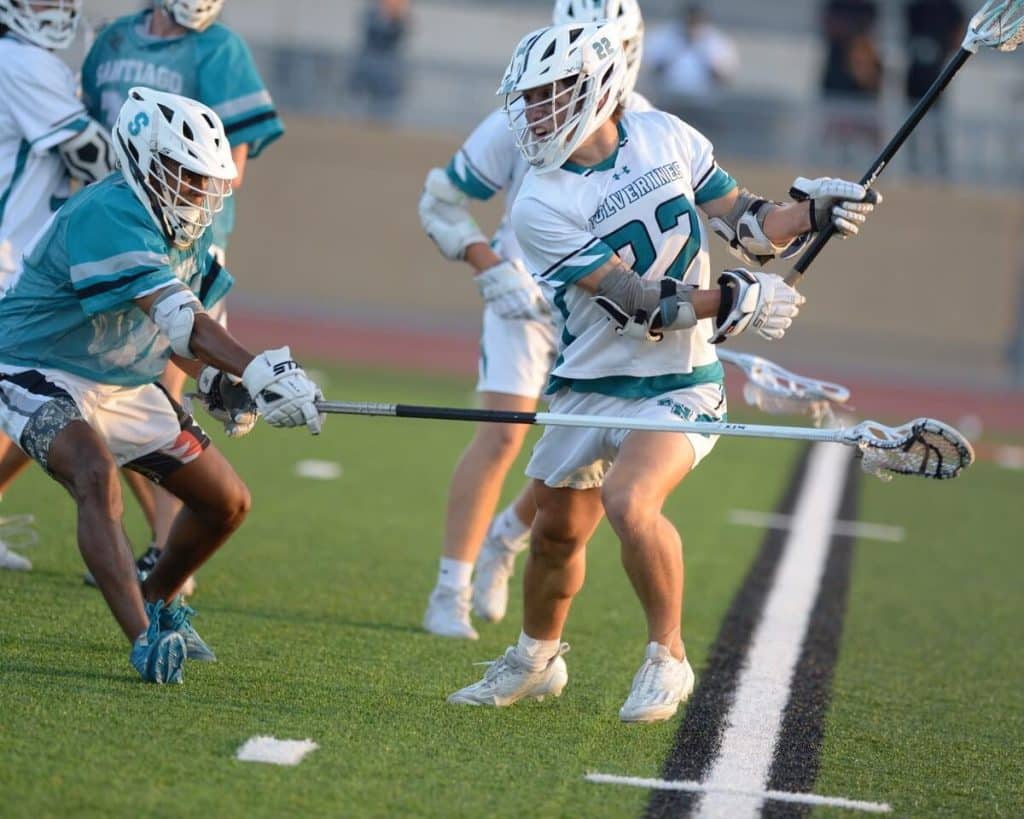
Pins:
x,y
444,216
88,155
743,229
174,313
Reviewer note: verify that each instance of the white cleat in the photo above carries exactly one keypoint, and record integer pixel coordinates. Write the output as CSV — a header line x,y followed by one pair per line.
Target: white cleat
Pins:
x,y
12,560
494,568
448,614
658,687
510,679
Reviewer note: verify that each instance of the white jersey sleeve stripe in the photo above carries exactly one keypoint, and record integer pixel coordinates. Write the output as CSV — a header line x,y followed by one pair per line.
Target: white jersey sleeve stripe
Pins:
x,y
115,265
241,105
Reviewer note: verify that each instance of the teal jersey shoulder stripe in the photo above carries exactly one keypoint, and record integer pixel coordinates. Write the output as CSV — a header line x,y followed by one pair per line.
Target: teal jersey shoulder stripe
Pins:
x,y
470,184
717,186
626,386
77,125
19,169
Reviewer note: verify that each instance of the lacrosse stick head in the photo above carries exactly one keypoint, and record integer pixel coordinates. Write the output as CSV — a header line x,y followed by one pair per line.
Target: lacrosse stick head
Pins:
x,y
999,25
776,390
926,448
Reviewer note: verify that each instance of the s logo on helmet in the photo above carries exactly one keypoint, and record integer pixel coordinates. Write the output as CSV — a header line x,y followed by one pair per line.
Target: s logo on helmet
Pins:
x,y
137,124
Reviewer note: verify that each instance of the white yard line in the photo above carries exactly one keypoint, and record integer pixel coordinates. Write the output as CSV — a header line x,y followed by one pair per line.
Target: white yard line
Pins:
x,y
752,726
781,796
846,528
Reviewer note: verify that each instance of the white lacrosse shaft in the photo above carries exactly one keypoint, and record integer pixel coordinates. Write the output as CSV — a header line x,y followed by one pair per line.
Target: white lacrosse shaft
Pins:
x,y
842,435
999,25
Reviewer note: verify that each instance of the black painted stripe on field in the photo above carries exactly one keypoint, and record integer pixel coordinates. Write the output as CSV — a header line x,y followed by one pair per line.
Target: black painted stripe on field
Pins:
x,y
797,751
700,734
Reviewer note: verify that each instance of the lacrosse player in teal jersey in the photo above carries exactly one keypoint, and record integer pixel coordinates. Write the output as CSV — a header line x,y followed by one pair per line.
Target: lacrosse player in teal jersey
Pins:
x,y
119,283
608,221
177,46
46,140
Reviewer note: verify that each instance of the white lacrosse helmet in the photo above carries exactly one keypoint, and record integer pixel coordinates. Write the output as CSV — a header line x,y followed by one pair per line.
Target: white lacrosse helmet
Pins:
x,y
194,14
624,12
45,23
582,68
176,157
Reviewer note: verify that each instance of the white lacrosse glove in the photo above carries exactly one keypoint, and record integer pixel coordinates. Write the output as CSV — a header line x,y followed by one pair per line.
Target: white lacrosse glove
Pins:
x,y
226,399
762,301
444,216
846,205
511,292
284,394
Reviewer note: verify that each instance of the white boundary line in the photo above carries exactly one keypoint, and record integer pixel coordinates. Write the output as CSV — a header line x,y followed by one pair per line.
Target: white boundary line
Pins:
x,y
846,528
763,687
780,796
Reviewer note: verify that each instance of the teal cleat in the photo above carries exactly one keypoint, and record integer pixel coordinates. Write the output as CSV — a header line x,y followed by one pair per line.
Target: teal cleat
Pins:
x,y
159,656
177,617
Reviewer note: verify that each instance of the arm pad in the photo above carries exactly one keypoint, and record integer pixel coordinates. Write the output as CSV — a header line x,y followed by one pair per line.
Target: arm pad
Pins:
x,y
174,312
88,155
743,229
643,308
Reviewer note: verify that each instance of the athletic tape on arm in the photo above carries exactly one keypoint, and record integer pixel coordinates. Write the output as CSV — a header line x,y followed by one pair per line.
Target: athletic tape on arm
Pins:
x,y
174,312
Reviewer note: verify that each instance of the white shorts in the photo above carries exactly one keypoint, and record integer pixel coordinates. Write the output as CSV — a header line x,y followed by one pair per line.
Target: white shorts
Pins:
x,y
515,355
143,427
579,458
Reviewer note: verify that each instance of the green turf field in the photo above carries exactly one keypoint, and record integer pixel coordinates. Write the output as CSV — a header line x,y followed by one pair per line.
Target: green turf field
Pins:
x,y
314,609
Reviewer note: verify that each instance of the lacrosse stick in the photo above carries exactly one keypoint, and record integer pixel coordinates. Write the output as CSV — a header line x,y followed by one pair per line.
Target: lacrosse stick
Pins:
x,y
776,390
999,25
924,447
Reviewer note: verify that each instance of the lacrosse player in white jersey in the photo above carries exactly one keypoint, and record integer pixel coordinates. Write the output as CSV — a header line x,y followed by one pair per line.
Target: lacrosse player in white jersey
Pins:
x,y
517,346
46,140
607,220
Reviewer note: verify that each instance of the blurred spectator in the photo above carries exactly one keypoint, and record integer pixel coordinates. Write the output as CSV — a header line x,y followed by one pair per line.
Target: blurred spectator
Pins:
x,y
690,56
934,30
852,79
853,68
379,71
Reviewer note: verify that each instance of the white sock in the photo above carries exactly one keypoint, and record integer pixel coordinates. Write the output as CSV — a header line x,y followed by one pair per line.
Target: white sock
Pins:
x,y
508,528
454,574
536,652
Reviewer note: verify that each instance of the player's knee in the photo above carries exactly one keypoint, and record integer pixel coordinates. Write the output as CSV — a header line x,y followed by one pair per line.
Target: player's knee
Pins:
x,y
96,484
555,546
500,441
235,506
625,505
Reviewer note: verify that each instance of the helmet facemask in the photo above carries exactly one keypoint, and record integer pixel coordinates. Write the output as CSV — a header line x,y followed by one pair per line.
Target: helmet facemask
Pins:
x,y
53,26
197,15
187,201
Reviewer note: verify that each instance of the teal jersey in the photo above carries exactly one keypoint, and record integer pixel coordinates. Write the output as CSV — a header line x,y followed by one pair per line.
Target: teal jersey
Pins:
x,y
73,307
213,66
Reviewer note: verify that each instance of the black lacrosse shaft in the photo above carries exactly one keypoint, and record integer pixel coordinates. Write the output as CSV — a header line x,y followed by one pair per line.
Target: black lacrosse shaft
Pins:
x,y
456,414
883,159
